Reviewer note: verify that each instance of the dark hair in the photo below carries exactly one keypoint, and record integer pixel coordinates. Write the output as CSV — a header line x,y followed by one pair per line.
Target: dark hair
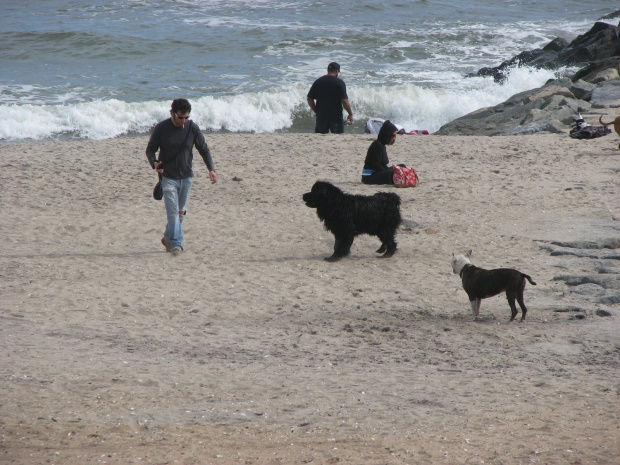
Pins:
x,y
333,66
181,105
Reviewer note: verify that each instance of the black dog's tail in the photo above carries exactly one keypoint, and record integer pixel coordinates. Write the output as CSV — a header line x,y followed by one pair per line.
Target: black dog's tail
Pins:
x,y
390,196
528,278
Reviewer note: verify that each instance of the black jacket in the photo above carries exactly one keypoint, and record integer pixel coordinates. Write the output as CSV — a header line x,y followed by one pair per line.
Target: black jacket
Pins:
x,y
376,157
177,160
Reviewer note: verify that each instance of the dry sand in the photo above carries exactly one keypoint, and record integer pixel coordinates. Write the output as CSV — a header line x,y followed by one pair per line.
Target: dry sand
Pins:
x,y
249,348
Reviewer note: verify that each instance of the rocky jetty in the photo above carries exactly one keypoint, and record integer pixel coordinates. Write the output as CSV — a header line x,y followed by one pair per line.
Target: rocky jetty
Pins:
x,y
593,90
593,274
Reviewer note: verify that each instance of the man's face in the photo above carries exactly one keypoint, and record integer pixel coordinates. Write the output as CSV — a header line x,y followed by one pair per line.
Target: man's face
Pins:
x,y
179,118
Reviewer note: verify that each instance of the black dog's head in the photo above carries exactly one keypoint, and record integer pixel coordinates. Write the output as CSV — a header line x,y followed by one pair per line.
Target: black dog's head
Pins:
x,y
321,193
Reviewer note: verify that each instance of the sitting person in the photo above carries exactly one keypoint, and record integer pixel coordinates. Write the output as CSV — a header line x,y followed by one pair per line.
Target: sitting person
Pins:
x,y
376,169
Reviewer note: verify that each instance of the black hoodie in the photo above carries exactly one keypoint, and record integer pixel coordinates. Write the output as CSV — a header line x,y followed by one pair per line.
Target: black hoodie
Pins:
x,y
376,157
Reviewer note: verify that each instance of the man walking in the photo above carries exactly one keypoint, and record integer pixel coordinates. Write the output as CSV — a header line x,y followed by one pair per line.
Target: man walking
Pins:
x,y
327,97
174,138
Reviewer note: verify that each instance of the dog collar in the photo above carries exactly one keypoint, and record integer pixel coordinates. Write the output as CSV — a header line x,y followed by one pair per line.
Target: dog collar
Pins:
x,y
464,268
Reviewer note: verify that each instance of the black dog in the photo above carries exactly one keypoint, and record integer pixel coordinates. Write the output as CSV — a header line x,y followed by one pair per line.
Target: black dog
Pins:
x,y
347,215
480,284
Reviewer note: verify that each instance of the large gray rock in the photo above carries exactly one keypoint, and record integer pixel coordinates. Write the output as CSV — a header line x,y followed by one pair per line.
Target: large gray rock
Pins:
x,y
596,293
605,254
613,15
597,69
607,95
600,42
582,89
544,109
604,281
552,107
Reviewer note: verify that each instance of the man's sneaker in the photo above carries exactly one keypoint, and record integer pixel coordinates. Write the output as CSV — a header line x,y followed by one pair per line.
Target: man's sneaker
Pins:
x,y
176,252
166,244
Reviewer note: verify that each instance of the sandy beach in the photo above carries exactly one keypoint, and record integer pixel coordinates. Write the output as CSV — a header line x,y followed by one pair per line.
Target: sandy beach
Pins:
x,y
250,348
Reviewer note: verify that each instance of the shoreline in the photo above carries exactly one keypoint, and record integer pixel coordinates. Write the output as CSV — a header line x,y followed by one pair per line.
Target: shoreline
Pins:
x,y
255,349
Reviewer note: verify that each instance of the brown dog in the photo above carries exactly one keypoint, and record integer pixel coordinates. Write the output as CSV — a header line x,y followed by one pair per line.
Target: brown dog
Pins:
x,y
480,284
615,122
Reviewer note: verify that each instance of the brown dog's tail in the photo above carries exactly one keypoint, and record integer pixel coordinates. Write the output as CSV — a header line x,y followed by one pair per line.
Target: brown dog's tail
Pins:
x,y
528,278
600,120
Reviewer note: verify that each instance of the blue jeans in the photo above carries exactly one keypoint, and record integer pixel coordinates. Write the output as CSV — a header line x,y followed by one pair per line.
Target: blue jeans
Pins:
x,y
176,196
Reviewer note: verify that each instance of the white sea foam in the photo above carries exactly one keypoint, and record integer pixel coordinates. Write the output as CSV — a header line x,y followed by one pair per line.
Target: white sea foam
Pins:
x,y
410,105
422,108
255,112
103,119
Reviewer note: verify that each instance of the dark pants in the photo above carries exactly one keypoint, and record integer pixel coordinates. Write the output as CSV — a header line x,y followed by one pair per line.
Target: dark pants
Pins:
x,y
323,127
379,177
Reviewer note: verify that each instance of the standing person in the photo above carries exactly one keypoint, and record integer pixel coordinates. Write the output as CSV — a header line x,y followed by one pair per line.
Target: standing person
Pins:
x,y
376,169
174,138
330,94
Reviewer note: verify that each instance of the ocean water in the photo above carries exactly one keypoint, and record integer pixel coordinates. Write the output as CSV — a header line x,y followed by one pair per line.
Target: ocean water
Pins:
x,y
104,69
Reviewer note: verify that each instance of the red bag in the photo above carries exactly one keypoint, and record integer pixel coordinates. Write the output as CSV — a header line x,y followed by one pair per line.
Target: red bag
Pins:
x,y
405,177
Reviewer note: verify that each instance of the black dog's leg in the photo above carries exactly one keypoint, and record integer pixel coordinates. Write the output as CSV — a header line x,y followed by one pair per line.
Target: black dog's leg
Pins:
x,y
342,248
522,305
511,301
388,244
391,249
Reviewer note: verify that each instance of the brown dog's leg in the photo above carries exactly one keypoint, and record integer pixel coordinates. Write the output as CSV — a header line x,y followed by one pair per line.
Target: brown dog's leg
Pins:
x,y
615,122
510,295
473,304
522,305
475,308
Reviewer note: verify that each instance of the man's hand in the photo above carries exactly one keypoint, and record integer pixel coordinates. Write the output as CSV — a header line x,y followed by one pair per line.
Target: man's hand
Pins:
x,y
347,106
311,104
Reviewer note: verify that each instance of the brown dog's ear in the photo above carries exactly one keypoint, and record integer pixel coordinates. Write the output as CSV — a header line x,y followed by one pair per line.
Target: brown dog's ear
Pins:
x,y
468,254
